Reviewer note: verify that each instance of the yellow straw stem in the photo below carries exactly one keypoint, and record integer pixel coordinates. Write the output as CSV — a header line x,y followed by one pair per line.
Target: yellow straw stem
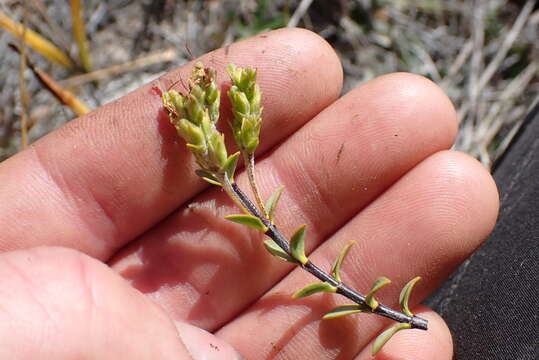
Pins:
x,y
64,96
79,34
25,96
43,46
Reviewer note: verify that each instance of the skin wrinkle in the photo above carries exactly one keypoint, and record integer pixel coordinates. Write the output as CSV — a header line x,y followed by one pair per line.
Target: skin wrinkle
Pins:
x,y
68,196
30,286
308,186
92,303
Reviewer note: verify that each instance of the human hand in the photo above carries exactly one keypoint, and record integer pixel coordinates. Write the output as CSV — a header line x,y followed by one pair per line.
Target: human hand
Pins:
x,y
117,188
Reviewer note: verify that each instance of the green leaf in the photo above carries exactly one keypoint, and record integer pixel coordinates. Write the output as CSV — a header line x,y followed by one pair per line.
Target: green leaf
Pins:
x,y
230,165
335,272
344,310
271,204
248,220
276,250
205,175
314,288
297,245
405,295
385,336
378,284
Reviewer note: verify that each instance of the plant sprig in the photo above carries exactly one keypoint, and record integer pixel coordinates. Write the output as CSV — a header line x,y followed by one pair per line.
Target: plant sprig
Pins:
x,y
195,116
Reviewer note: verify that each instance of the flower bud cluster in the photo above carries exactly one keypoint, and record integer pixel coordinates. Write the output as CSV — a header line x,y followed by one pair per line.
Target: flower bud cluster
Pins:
x,y
245,97
195,116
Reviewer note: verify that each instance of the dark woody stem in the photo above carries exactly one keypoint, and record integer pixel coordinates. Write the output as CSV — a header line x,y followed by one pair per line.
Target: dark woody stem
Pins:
x,y
238,195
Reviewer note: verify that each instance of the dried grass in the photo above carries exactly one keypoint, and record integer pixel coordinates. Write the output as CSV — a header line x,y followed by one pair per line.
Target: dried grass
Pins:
x,y
484,54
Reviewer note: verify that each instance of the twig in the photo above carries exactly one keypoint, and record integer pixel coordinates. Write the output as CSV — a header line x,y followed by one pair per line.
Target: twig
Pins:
x,y
507,43
457,64
25,97
478,36
504,144
496,116
162,56
37,42
299,13
428,62
342,289
249,160
64,96
79,33
55,31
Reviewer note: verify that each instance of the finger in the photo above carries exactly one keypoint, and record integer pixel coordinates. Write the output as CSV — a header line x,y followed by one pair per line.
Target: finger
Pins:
x,y
106,177
60,304
435,343
425,224
203,345
195,259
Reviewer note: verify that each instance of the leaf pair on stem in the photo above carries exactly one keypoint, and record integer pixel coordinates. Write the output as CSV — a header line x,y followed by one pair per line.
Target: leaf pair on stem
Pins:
x,y
195,116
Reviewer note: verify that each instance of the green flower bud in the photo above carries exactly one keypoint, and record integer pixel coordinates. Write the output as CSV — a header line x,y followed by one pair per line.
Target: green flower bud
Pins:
x,y
174,103
199,94
191,133
235,73
195,110
195,116
250,132
245,96
240,104
217,149
255,102
213,99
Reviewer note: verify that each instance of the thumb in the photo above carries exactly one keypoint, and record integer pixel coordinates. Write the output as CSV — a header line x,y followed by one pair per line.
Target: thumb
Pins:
x,y
58,303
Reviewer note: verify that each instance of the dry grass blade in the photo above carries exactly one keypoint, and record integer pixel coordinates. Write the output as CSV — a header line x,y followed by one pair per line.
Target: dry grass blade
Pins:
x,y
162,56
56,33
25,96
507,43
64,96
476,60
498,114
79,34
43,46
299,13
476,67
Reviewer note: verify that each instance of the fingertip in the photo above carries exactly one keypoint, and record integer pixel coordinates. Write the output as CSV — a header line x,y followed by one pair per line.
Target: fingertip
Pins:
x,y
471,190
407,93
203,345
435,343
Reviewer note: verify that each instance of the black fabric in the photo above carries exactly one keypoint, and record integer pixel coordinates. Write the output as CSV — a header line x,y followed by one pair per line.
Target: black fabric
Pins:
x,y
491,303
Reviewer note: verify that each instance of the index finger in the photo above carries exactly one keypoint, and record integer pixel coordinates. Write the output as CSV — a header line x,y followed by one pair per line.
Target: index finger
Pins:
x,y
106,177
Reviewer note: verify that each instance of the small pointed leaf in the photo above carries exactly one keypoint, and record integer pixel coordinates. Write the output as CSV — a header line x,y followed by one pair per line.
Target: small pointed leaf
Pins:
x,y
346,310
405,295
378,284
297,245
248,220
314,288
205,175
276,250
386,335
271,204
211,181
335,272
230,165
194,147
